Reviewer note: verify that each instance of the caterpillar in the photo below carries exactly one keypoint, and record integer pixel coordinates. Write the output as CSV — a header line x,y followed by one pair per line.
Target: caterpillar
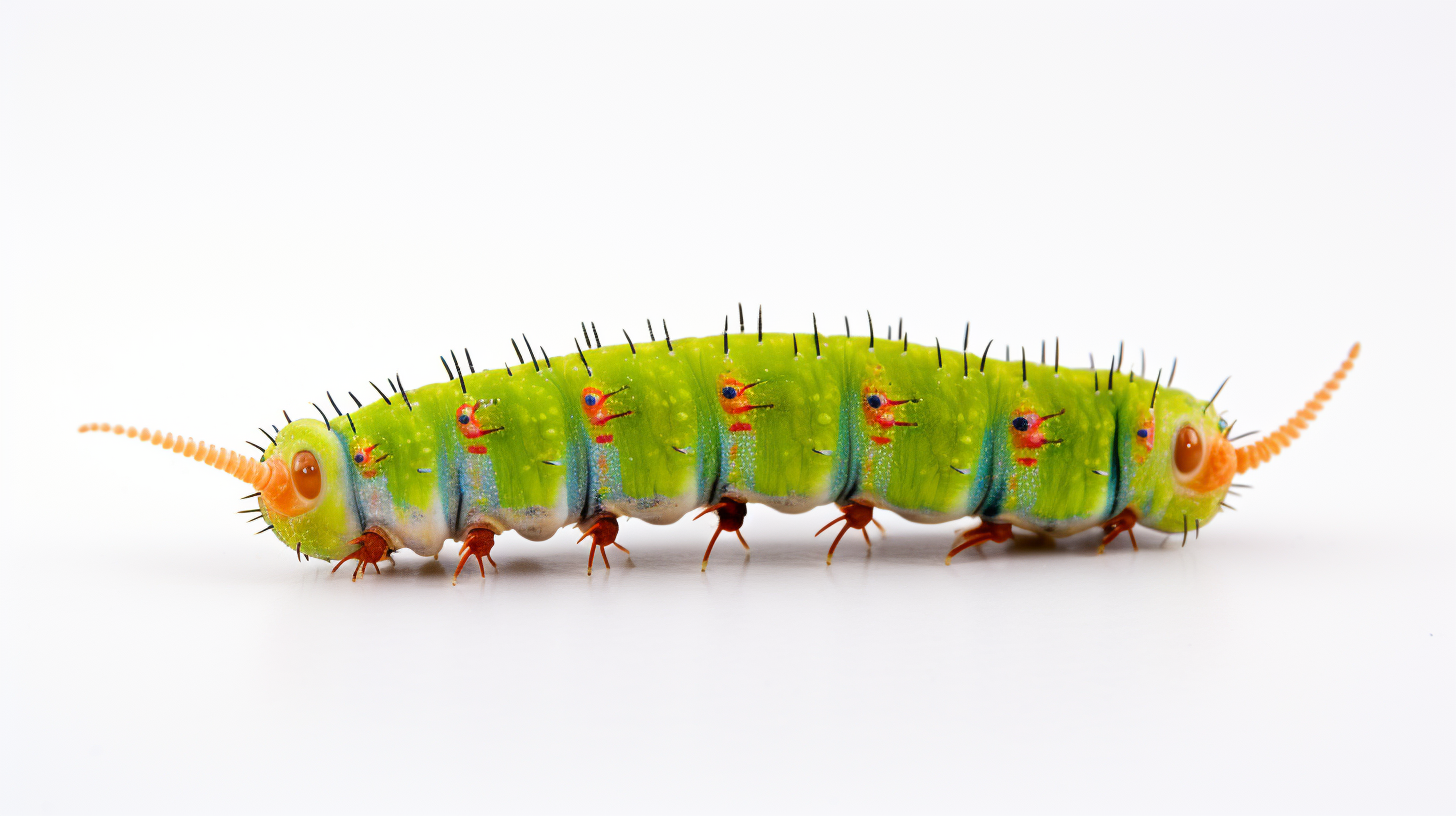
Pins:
x,y
659,429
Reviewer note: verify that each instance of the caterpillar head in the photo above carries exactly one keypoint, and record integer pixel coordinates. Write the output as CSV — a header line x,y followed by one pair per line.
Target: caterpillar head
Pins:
x,y
1192,468
308,498
1181,463
302,482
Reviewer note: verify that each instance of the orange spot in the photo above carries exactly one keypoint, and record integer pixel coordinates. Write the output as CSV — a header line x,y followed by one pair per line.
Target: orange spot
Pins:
x,y
1028,462
740,426
476,449
604,439
880,440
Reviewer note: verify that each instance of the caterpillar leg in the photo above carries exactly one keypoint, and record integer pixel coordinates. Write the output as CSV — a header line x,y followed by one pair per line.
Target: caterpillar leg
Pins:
x,y
730,519
975,537
373,548
603,533
478,543
856,516
1121,523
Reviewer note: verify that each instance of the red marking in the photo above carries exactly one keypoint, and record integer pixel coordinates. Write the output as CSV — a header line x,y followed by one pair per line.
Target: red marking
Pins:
x,y
1149,425
1032,437
604,439
884,415
880,440
465,416
739,403
364,458
476,448
740,426
1029,461
594,403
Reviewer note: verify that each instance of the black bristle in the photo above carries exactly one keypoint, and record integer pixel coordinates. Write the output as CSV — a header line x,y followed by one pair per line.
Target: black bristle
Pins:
x,y
402,392
458,372
530,352
583,357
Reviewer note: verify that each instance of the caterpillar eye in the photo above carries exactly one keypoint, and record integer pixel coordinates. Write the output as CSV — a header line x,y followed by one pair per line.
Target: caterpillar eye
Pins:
x,y
874,401
1021,423
307,479
730,392
1187,451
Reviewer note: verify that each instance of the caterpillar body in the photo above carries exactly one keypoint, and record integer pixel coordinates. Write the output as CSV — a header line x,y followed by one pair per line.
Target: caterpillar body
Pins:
x,y
659,429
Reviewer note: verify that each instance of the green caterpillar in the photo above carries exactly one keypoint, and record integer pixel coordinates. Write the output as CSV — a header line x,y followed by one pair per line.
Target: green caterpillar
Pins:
x,y
655,430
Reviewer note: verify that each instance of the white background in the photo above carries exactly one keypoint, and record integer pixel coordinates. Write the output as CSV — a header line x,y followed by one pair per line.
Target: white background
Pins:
x,y
209,215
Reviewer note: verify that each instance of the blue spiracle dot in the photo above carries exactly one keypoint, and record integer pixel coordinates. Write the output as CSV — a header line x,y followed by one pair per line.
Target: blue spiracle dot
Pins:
x,y
359,457
1020,424
729,392
464,419
590,399
874,400
1143,432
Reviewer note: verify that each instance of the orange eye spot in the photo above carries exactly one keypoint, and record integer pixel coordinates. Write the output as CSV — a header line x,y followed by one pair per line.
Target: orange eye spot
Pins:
x,y
1187,450
308,480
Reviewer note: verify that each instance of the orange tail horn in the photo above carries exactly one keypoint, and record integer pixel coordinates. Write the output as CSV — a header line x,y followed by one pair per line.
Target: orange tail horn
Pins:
x,y
250,470
1251,456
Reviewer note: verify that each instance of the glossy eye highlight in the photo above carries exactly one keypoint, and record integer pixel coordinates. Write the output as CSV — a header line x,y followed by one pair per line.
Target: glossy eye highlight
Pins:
x,y
307,479
1187,450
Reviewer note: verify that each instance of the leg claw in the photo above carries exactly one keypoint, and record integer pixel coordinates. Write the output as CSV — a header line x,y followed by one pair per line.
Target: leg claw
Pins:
x,y
1121,523
730,519
478,542
975,537
603,533
373,548
856,516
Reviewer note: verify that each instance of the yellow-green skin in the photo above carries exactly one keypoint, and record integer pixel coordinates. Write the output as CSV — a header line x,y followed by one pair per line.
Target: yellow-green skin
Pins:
x,y
550,466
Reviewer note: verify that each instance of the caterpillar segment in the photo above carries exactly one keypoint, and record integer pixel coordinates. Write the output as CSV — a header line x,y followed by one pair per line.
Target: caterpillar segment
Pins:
x,y
658,429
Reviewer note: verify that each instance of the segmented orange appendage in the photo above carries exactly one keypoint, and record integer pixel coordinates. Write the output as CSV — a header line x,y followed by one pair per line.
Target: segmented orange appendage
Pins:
x,y
230,462
1251,456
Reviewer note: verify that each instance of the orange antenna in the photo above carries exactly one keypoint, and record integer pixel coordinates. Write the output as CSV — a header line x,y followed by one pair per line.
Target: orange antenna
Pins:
x,y
1251,456
250,470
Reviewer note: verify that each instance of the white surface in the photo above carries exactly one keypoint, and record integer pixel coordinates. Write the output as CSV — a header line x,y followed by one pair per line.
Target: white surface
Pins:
x,y
202,212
